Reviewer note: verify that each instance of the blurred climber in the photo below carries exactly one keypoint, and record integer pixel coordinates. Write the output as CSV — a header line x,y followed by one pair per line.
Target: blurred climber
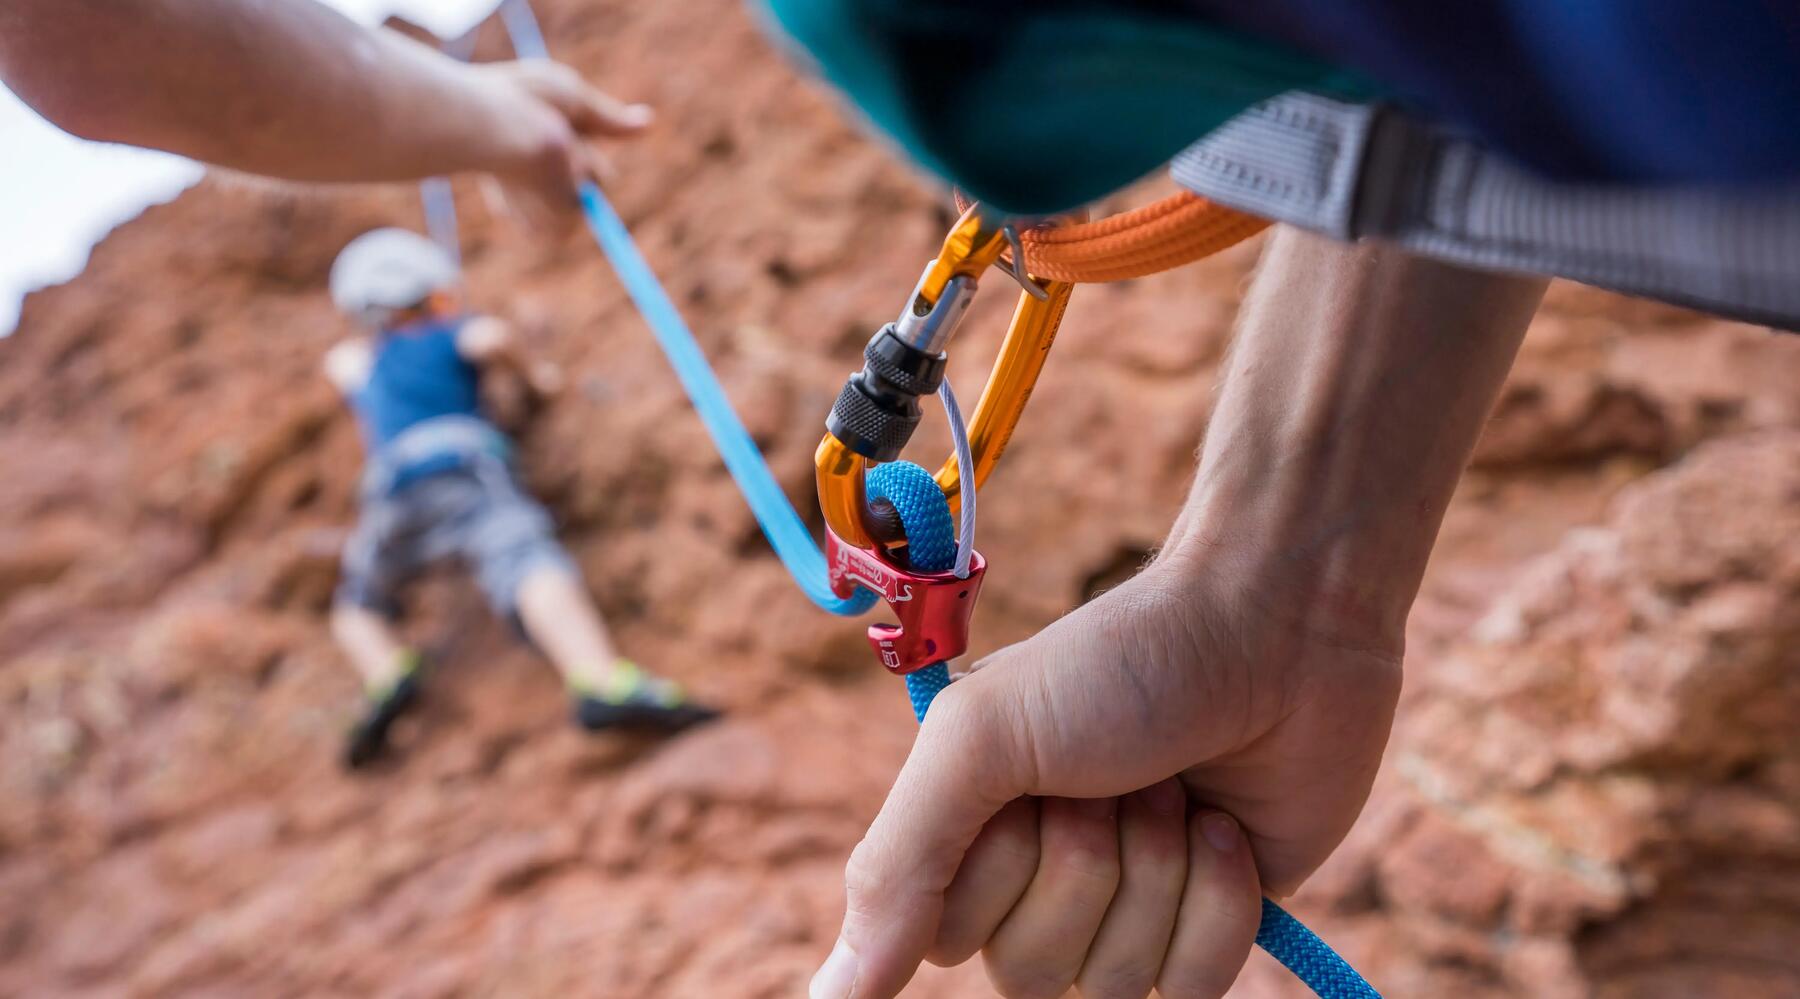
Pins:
x,y
440,484
297,91
1100,806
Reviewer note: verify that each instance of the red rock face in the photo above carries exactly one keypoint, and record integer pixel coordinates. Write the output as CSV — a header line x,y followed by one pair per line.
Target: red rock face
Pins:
x,y
1594,788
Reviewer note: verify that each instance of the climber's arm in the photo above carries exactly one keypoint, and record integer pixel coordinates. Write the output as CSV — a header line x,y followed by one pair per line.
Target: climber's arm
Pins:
x,y
490,343
346,366
297,91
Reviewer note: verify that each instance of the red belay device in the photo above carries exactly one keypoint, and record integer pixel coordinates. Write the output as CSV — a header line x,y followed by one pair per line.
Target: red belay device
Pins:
x,y
933,607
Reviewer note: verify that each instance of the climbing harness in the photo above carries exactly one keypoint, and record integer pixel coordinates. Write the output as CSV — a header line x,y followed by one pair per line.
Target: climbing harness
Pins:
x,y
892,527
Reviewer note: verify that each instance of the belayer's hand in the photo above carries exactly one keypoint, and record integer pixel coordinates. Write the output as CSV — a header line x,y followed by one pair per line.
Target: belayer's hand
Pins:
x,y
1102,805
556,116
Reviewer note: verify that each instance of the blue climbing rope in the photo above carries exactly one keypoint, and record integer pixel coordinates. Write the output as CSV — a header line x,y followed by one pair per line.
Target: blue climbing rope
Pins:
x,y
522,27
787,533
923,509
789,536
1310,959
440,216
930,547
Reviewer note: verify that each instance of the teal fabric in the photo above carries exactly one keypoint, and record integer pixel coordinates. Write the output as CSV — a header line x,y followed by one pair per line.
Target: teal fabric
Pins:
x,y
1039,107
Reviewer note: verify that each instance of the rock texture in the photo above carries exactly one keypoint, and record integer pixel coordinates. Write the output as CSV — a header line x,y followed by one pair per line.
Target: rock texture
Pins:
x,y
1594,788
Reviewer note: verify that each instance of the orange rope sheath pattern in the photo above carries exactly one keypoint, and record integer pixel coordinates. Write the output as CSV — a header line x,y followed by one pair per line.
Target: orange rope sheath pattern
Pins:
x,y
1160,236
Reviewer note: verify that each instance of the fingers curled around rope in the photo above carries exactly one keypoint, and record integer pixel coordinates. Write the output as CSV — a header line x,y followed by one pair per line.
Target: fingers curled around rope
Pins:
x,y
1129,949
1221,907
1111,896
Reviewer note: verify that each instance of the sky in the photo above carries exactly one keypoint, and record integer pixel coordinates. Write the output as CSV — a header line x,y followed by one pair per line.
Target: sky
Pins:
x,y
60,195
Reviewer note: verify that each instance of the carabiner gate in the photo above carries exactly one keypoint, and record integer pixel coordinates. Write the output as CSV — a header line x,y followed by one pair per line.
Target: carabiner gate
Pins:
x,y
878,409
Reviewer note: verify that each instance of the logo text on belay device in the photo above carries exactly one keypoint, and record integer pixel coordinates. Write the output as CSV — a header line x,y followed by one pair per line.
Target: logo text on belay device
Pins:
x,y
861,567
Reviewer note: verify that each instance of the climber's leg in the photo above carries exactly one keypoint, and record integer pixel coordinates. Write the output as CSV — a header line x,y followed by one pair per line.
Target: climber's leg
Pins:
x,y
554,609
375,562
529,577
390,678
369,642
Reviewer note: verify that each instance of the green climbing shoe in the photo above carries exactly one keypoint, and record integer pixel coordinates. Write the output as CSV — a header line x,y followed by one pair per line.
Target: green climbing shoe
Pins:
x,y
368,737
631,700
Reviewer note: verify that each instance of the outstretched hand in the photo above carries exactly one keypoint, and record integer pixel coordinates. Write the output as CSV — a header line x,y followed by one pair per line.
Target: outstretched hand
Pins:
x,y
1102,806
560,115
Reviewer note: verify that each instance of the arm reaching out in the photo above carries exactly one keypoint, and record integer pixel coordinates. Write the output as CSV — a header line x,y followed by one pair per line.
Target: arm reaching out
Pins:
x,y
346,366
297,91
490,343
1252,669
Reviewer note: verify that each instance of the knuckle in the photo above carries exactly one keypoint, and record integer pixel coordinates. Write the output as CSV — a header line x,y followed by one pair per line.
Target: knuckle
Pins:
x,y
861,871
1157,864
1094,870
1083,849
1016,841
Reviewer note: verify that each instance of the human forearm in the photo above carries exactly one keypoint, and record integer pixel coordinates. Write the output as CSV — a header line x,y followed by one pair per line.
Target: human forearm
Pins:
x,y
288,89
1352,397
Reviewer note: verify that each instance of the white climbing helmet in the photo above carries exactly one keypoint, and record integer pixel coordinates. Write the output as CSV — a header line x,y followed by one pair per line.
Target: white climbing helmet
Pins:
x,y
384,271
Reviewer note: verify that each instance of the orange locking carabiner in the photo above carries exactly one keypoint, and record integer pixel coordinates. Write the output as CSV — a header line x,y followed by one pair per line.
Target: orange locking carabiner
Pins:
x,y
879,409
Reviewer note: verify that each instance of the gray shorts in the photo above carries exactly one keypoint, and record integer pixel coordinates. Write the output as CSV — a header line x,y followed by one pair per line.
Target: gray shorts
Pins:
x,y
477,515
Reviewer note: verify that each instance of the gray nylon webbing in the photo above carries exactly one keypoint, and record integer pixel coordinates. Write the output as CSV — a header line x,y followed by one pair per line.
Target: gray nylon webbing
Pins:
x,y
1363,171
464,436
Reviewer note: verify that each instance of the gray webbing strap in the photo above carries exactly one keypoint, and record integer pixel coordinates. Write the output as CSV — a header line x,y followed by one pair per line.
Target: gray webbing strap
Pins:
x,y
1358,170
462,436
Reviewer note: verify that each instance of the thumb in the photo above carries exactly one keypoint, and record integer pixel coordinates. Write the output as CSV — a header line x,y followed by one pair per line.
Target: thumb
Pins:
x,y
965,765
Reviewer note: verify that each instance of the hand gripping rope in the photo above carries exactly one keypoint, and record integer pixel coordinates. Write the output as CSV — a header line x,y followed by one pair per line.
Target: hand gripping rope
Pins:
x,y
892,526
878,409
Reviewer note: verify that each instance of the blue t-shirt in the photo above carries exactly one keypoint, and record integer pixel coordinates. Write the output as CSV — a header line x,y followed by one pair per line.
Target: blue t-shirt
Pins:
x,y
417,374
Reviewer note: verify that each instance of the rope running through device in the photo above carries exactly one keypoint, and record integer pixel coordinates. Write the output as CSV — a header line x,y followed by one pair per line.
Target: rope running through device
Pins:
x,y
892,526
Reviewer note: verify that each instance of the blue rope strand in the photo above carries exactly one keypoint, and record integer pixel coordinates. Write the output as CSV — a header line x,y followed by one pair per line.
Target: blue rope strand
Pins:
x,y
440,216
930,547
791,539
787,534
522,27
1310,959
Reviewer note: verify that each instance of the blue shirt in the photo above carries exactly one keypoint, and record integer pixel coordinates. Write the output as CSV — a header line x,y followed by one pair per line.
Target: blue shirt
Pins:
x,y
417,374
